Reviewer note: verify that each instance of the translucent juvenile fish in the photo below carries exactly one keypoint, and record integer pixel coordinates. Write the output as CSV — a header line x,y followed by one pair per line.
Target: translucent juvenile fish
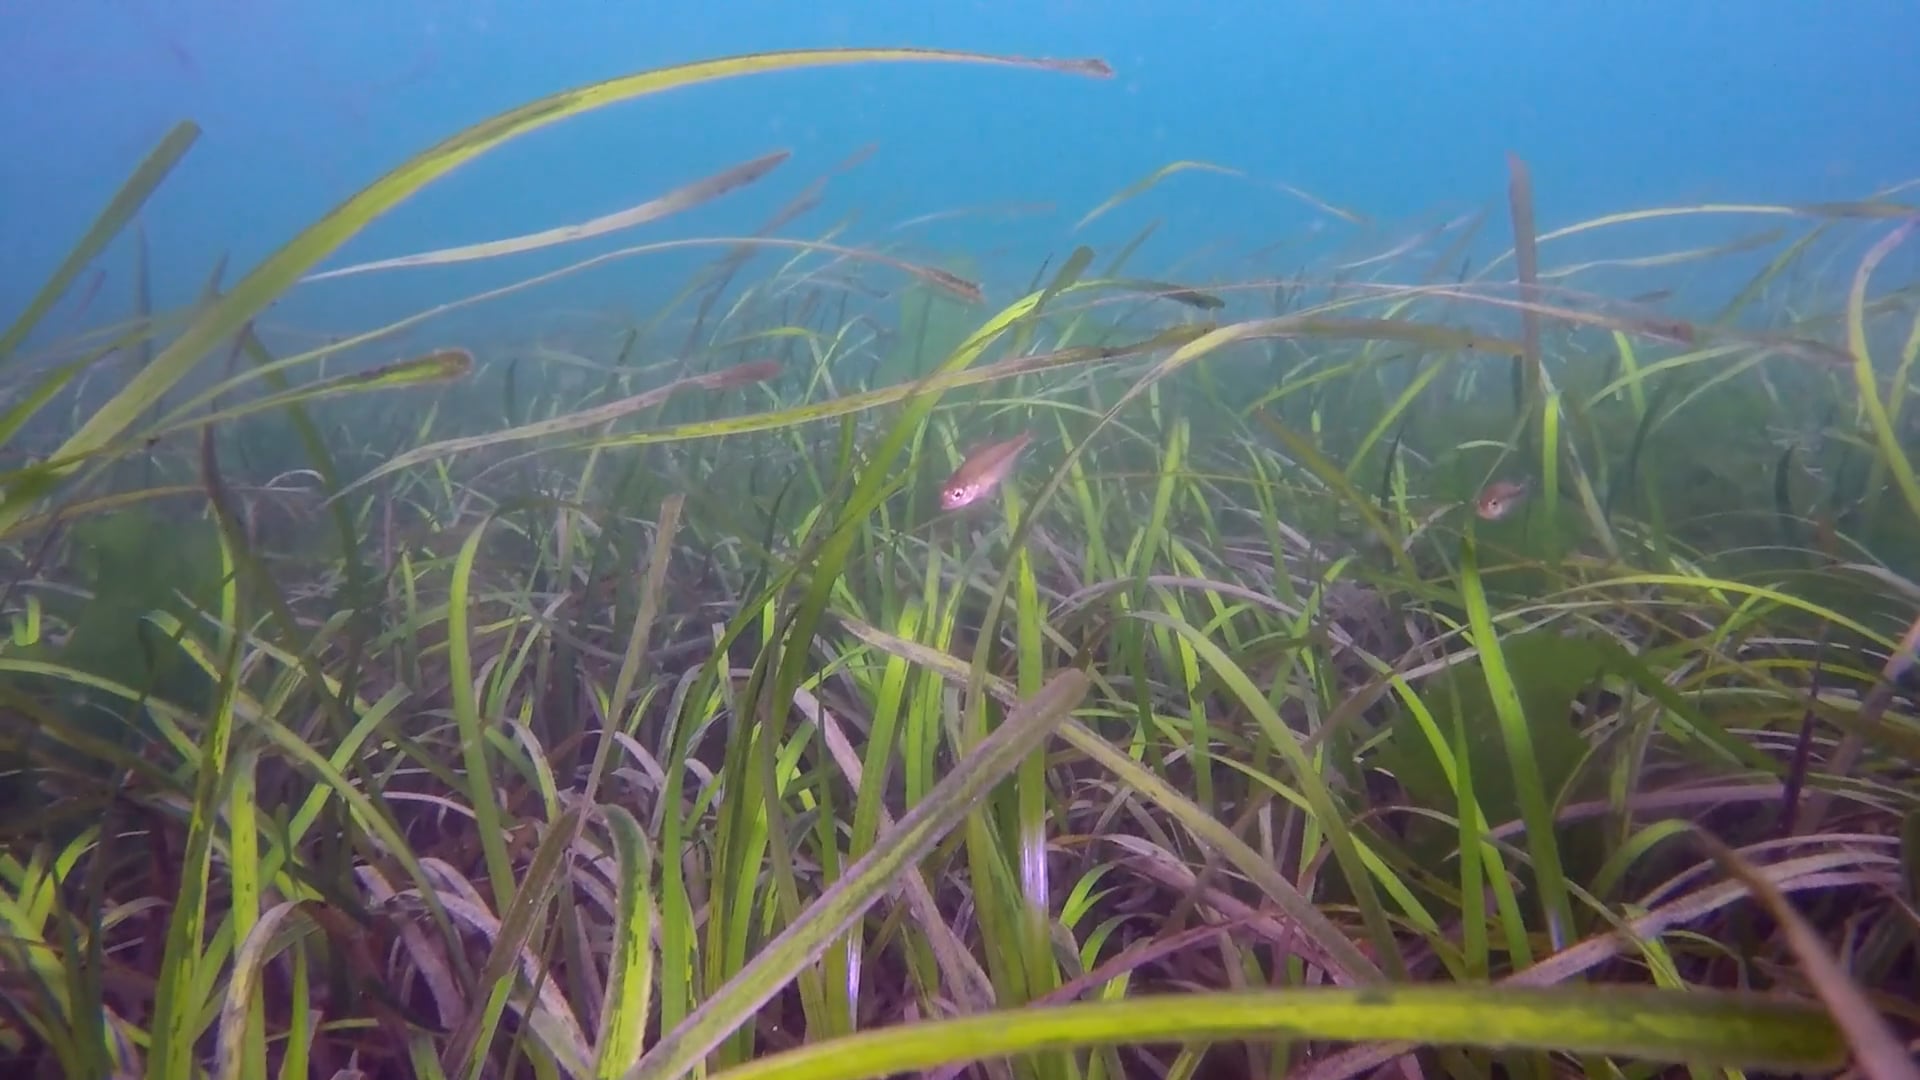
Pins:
x,y
982,472
1498,499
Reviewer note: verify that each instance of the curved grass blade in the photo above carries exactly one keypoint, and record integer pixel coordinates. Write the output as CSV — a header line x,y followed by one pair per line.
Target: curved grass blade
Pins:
x,y
284,268
528,904
1827,211
1694,1027
1766,275
275,929
721,273
1867,380
1876,1048
942,380
1669,258
673,202
1349,216
125,204
441,365
738,375
863,883
953,284
1141,186
49,388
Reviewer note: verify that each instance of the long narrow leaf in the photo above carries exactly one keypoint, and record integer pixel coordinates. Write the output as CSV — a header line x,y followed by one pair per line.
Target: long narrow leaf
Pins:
x,y
862,884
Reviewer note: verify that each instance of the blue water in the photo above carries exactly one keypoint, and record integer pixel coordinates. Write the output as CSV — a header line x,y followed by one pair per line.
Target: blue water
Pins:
x,y
1400,111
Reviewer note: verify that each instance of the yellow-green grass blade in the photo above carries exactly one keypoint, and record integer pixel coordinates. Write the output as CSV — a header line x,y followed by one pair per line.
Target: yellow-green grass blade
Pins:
x,y
591,417
666,528
873,482
1720,589
1142,185
240,1018
1332,820
946,378
673,202
301,1023
1766,275
865,881
1204,826
175,1010
1068,274
54,381
246,887
48,986
1302,449
1535,806
1627,217
948,282
1339,949
629,986
1582,483
1897,393
125,204
1214,339
1867,379
442,365
1669,258
1030,782
1393,413
284,268
1351,217
695,701
473,734
357,574
866,400
1549,415
1699,1027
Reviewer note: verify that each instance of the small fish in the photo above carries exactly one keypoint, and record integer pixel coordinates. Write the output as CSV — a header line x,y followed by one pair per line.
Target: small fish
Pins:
x,y
982,472
739,375
1498,499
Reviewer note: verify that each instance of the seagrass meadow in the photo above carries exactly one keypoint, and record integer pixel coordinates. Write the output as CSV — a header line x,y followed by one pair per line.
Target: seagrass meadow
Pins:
x,y
619,701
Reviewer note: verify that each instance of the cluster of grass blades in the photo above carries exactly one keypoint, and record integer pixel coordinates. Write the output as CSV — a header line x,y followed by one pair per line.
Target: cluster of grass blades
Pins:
x,y
564,711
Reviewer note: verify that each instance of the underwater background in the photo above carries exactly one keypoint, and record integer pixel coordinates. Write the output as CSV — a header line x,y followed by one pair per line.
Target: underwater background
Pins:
x,y
1051,540
1390,109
